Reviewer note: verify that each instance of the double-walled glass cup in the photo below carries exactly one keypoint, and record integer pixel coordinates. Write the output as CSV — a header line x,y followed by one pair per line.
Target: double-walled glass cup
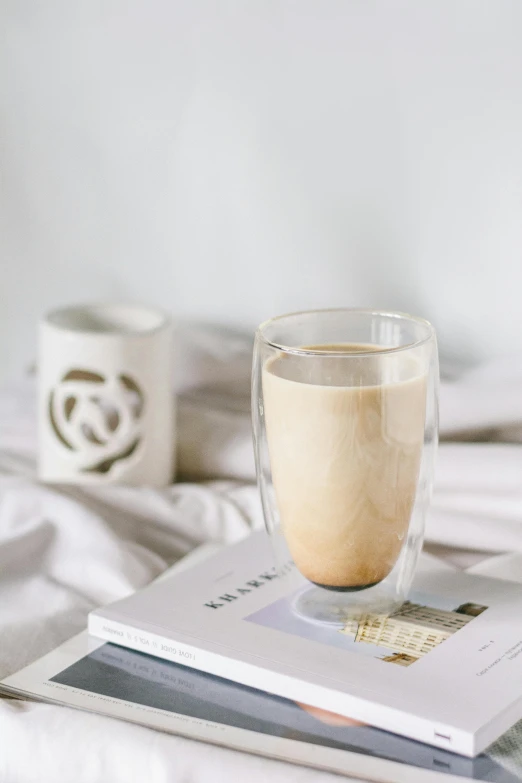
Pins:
x,y
345,428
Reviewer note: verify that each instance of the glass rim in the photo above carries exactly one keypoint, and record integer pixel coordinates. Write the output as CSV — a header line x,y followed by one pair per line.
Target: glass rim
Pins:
x,y
347,354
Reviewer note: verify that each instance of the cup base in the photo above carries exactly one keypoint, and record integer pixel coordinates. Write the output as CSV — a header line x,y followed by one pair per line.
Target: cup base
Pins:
x,y
328,606
345,589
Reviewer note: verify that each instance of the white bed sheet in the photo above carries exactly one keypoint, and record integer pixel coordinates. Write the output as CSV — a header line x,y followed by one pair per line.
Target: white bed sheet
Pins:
x,y
64,550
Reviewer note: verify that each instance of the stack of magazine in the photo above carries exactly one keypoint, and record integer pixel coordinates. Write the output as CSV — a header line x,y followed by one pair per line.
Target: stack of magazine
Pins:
x,y
216,652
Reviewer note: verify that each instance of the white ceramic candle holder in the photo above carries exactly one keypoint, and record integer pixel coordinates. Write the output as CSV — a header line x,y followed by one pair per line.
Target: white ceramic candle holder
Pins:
x,y
106,401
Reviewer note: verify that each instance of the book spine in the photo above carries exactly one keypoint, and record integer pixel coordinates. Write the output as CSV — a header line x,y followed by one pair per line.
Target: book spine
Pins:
x,y
134,638
143,641
288,687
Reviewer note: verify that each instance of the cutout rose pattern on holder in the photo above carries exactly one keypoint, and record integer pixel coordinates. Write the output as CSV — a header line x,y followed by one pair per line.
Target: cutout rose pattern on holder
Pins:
x,y
97,418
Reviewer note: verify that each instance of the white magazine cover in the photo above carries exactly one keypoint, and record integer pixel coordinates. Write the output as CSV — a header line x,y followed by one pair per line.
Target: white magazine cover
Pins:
x,y
231,616
104,678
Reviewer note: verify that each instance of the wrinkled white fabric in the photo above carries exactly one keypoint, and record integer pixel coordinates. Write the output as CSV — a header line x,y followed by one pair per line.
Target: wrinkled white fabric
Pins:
x,y
42,743
477,502
66,549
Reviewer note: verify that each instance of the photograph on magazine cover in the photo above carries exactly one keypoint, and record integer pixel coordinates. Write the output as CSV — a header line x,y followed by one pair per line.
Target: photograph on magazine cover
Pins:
x,y
135,677
402,638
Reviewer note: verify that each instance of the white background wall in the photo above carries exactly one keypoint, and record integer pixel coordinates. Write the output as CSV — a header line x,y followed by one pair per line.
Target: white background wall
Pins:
x,y
232,159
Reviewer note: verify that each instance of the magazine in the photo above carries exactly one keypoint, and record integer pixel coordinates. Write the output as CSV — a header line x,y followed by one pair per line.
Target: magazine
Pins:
x,y
445,669
87,673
